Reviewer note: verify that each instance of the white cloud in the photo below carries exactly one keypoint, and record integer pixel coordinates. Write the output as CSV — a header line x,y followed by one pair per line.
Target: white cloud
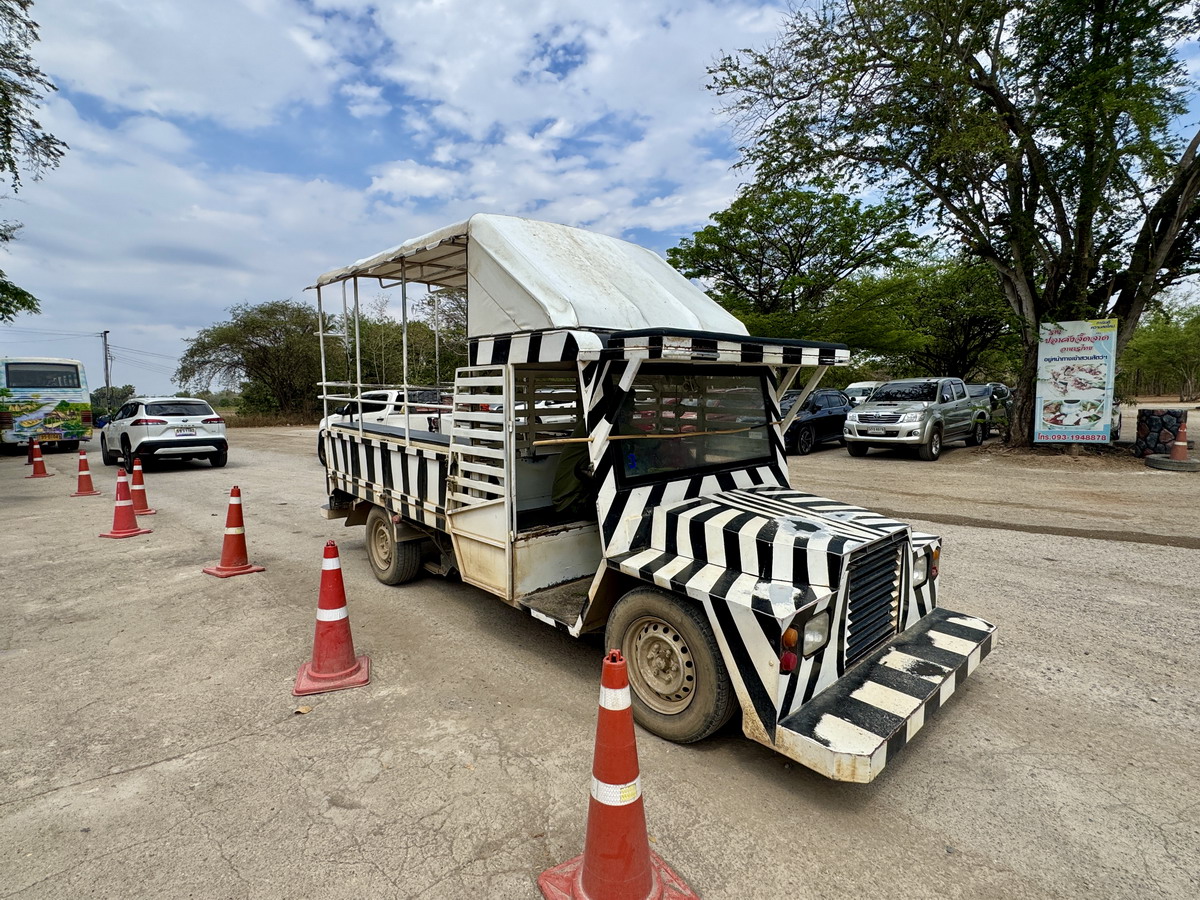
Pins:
x,y
232,150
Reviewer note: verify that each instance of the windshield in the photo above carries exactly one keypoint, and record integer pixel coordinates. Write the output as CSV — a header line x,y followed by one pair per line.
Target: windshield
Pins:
x,y
687,420
179,408
42,375
905,391
979,390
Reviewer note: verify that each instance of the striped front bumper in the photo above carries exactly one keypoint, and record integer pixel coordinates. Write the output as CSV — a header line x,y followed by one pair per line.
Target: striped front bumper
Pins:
x,y
850,731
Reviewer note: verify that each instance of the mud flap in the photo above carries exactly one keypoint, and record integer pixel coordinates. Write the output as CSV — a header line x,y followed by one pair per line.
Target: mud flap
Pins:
x,y
850,731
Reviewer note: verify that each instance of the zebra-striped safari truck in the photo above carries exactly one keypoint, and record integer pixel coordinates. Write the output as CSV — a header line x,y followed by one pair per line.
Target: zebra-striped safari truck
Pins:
x,y
612,460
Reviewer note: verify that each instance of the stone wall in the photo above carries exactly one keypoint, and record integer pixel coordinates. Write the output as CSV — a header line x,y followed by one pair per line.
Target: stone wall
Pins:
x,y
1157,430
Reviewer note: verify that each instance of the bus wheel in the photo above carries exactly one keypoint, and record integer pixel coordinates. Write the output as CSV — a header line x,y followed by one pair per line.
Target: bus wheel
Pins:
x,y
679,687
392,563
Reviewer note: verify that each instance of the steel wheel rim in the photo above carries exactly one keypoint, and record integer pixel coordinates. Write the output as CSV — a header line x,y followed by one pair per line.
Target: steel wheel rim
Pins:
x,y
935,445
381,547
662,671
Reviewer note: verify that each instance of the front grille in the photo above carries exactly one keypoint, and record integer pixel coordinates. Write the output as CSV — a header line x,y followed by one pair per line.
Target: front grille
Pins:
x,y
873,596
879,418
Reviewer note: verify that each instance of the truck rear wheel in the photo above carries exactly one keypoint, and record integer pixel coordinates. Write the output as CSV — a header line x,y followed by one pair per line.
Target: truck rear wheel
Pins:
x,y
679,687
978,434
392,562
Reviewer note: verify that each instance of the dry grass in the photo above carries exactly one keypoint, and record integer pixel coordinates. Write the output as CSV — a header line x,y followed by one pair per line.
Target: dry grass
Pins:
x,y
266,420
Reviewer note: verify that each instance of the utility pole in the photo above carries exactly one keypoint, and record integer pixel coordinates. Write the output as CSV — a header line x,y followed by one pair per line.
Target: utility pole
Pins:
x,y
107,372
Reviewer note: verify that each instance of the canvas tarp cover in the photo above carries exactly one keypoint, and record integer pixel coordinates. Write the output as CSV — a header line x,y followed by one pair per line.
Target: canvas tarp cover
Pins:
x,y
524,275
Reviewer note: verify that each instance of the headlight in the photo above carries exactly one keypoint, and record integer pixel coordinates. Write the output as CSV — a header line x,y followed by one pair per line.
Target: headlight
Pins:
x,y
816,633
921,570
911,417
852,417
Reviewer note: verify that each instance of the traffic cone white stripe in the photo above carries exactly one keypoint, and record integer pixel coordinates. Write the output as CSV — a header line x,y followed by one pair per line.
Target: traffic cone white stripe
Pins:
x,y
332,563
616,794
615,699
235,501
124,503
237,529
332,615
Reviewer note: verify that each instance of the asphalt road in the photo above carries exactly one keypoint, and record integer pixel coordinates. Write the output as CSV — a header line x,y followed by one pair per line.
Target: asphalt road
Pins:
x,y
150,745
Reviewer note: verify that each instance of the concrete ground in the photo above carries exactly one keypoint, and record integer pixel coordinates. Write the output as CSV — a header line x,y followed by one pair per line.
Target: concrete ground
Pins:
x,y
151,746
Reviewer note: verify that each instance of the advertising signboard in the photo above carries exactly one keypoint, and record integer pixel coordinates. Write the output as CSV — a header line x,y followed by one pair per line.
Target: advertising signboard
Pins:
x,y
1076,368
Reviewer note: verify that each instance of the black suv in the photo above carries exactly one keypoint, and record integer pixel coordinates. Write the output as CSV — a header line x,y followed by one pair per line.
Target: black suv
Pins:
x,y
820,419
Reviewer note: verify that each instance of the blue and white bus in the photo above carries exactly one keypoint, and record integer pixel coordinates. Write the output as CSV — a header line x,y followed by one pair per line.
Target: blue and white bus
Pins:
x,y
44,398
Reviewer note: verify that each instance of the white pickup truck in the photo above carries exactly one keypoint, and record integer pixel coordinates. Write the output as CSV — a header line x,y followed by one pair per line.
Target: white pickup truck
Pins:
x,y
653,504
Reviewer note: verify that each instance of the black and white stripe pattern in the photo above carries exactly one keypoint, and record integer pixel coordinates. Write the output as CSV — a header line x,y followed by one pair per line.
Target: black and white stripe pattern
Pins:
x,y
566,345
407,480
852,730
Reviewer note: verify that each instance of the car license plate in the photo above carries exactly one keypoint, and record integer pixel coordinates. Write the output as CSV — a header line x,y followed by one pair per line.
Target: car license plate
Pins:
x,y
876,431
185,432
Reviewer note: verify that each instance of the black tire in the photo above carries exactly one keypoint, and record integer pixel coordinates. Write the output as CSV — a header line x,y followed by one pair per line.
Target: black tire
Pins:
x,y
219,459
321,447
805,440
854,448
127,455
678,684
107,457
978,435
68,446
392,562
932,448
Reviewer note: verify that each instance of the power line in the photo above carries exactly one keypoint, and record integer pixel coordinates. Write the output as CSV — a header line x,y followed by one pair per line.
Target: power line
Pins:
x,y
144,352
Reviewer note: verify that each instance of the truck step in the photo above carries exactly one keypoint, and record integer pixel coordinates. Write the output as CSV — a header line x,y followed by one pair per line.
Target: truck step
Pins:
x,y
851,730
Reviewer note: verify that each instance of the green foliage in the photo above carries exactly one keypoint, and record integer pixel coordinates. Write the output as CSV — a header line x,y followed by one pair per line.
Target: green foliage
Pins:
x,y
775,256
15,300
1037,133
1165,352
106,401
24,145
272,347
934,317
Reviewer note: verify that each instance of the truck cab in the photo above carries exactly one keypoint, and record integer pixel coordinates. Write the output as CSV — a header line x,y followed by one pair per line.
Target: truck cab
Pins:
x,y
616,465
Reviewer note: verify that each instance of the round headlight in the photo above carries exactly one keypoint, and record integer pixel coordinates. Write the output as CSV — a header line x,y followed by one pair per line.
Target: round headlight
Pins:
x,y
816,633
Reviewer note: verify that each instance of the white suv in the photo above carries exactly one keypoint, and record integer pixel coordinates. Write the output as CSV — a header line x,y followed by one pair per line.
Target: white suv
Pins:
x,y
164,428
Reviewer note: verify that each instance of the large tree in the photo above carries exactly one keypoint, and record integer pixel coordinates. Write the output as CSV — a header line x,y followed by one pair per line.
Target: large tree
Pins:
x,y
1165,351
776,256
270,349
1038,133
24,145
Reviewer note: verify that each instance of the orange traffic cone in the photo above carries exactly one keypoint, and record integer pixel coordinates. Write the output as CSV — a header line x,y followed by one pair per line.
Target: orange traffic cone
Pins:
x,y
84,486
617,862
1179,450
137,490
333,665
39,465
124,521
234,558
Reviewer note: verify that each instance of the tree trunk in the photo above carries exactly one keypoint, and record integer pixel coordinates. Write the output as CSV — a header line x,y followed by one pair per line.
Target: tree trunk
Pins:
x,y
1026,396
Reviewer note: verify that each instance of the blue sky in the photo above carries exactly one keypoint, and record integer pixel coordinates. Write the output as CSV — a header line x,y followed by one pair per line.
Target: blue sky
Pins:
x,y
230,151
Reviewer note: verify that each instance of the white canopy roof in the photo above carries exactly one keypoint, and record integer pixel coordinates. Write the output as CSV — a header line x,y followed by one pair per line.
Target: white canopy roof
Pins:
x,y
524,275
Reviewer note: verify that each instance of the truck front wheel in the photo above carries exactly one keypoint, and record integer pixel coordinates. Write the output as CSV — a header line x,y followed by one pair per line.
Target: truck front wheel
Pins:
x,y
392,562
932,448
679,687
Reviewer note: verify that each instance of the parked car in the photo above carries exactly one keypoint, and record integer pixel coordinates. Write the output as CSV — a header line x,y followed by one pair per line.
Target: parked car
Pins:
x,y
821,418
427,408
858,391
153,428
999,399
916,412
